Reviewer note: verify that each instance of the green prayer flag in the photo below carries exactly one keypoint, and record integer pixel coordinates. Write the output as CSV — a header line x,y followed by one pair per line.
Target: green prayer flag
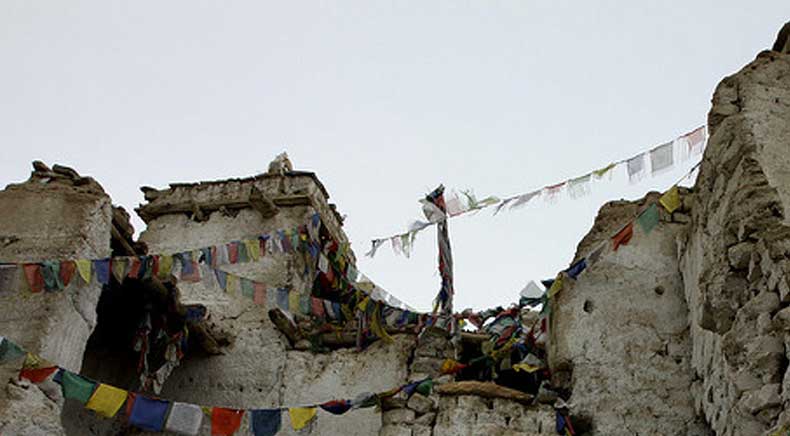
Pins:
x,y
648,219
77,387
425,387
247,288
10,351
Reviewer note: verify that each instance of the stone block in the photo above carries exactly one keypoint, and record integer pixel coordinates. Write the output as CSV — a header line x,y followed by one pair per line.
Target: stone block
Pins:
x,y
395,430
420,404
398,417
740,254
426,420
766,397
422,430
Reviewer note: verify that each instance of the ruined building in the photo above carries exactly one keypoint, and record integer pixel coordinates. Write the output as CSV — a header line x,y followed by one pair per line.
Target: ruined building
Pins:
x,y
685,331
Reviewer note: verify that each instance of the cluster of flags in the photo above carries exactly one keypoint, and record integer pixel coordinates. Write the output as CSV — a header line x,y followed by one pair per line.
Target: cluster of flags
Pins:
x,y
155,414
655,161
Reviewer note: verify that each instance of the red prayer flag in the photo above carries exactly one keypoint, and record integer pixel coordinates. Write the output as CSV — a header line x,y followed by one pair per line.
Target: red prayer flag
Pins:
x,y
623,236
225,422
259,297
233,252
34,278
37,375
318,307
67,269
134,269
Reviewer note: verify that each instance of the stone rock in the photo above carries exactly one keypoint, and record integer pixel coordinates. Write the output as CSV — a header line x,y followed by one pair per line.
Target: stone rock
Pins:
x,y
395,430
398,416
425,420
422,430
766,397
420,404
782,319
740,254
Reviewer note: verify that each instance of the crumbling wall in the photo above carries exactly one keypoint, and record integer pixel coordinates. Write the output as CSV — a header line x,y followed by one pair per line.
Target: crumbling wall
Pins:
x,y
735,260
55,215
619,333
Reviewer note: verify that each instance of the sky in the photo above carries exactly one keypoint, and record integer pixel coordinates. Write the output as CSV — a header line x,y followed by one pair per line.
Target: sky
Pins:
x,y
384,101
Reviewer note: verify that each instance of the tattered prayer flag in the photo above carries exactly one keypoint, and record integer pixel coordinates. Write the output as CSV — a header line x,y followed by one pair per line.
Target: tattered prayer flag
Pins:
x,y
148,413
365,400
623,236
336,407
253,249
661,158
120,266
556,286
301,416
225,422
84,269
265,422
671,199
375,244
376,327
184,419
397,246
232,284
76,387
576,268
580,186
695,141
106,400
10,351
34,278
552,192
636,168
502,204
67,270
259,290
102,269
648,219
247,288
600,173
222,278
165,266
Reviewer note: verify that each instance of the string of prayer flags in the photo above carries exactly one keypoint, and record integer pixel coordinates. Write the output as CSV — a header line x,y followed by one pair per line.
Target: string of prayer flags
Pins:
x,y
265,422
224,421
623,236
185,419
671,199
106,400
301,416
648,219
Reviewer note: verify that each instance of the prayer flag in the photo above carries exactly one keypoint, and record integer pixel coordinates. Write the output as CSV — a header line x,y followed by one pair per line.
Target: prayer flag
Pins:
x,y
576,268
623,236
184,419
247,288
636,168
556,286
106,400
222,278
134,268
525,367
450,366
648,219
102,269
282,298
33,275
262,243
285,241
671,199
50,271
364,400
695,141
233,252
375,244
253,249
580,186
265,422
317,307
225,422
600,173
148,413
232,286
661,158
9,274
165,266
84,269
336,407
36,369
67,270
206,256
551,192
523,199
301,416
293,300
244,256
425,387
221,254
119,265
76,387
259,297
9,351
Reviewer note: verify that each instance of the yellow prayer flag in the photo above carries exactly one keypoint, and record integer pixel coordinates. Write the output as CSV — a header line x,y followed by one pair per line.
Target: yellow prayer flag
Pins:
x,y
556,286
525,367
301,416
232,284
293,301
106,400
376,327
84,268
165,265
671,199
253,249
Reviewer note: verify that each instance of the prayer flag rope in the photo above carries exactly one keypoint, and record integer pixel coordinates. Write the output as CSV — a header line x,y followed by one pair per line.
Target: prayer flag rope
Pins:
x,y
155,414
661,159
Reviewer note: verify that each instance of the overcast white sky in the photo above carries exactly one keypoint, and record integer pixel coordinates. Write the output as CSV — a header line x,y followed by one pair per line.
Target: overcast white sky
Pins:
x,y
384,100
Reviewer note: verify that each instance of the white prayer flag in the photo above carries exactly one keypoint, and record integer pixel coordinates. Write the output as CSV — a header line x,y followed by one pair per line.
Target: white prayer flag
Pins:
x,y
636,168
661,158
